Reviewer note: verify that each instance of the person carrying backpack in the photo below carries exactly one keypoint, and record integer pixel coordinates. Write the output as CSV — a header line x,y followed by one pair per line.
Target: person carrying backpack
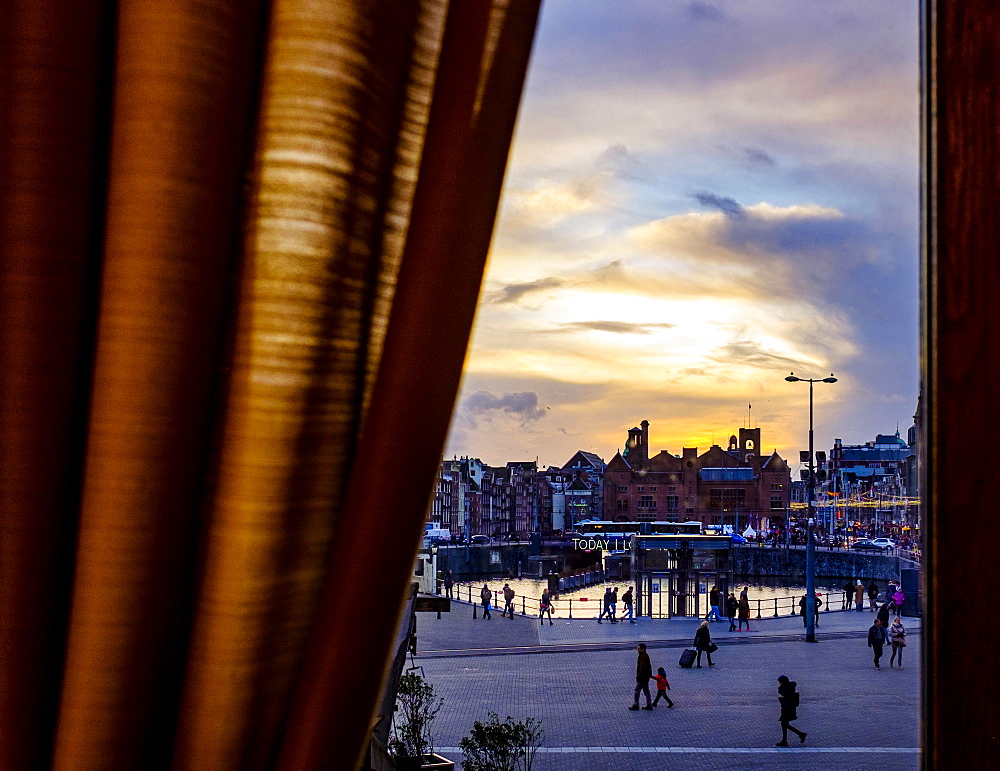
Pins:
x,y
788,698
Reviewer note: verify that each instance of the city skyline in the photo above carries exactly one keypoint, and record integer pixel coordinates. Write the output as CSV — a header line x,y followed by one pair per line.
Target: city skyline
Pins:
x,y
701,198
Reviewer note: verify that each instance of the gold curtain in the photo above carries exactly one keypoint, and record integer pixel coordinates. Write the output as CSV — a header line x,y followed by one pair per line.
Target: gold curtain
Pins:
x,y
241,251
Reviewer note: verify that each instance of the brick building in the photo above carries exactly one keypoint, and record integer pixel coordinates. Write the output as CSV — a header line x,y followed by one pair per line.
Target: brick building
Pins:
x,y
735,486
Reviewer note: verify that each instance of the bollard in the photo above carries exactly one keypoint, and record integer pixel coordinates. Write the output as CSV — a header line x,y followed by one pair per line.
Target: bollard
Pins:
x,y
758,608
522,606
775,607
571,608
474,616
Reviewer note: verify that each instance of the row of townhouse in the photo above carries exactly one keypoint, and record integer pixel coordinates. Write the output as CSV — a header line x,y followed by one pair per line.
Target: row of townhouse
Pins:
x,y
472,498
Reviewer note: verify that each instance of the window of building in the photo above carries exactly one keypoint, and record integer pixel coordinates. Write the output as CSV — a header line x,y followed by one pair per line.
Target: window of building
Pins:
x,y
672,502
776,487
647,502
776,502
672,489
622,506
726,499
622,489
641,489
652,489
689,510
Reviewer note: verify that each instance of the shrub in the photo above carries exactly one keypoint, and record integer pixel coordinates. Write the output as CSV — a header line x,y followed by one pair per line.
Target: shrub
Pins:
x,y
507,745
416,709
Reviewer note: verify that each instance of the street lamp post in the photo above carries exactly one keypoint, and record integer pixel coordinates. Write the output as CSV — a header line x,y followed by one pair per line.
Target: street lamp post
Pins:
x,y
810,607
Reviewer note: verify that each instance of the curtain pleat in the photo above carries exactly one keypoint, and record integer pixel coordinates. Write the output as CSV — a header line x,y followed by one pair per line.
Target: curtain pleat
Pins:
x,y
223,221
322,209
53,138
483,63
183,88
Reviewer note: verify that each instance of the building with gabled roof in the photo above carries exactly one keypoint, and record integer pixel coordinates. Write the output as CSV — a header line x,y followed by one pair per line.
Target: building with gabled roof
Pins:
x,y
735,486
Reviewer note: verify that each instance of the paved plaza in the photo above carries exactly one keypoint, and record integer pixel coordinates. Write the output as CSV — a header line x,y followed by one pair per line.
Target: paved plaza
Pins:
x,y
577,676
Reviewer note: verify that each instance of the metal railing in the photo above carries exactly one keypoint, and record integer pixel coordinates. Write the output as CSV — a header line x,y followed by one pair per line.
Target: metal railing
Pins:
x,y
774,607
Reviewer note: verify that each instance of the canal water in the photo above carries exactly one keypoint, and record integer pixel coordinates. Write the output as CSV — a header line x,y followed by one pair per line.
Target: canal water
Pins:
x,y
586,602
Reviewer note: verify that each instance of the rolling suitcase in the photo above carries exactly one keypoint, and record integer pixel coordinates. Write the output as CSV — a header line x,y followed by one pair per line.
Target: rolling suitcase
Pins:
x,y
688,657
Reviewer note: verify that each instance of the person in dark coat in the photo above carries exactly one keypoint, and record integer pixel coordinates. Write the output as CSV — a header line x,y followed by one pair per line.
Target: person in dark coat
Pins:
x,y
606,609
449,582
744,611
732,607
788,698
713,601
703,643
883,614
848,594
643,673
817,602
487,597
876,639
872,596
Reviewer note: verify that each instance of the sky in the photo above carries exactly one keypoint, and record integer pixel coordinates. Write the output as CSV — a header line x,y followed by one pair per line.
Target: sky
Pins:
x,y
701,198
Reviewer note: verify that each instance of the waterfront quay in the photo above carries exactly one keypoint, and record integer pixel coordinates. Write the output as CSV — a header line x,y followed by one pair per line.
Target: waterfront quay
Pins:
x,y
577,677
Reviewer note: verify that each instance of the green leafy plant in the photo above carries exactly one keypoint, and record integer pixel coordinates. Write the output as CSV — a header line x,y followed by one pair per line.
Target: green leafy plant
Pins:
x,y
502,745
416,709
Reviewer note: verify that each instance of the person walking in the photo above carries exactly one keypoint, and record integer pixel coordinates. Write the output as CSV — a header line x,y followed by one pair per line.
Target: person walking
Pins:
x,y
703,643
713,601
606,608
614,605
872,596
897,638
788,698
848,592
883,614
487,597
545,606
732,607
859,597
629,606
508,601
643,673
449,582
897,599
876,639
662,686
816,603
744,611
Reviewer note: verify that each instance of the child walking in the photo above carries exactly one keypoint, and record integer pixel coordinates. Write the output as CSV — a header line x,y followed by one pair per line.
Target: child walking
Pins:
x,y
662,686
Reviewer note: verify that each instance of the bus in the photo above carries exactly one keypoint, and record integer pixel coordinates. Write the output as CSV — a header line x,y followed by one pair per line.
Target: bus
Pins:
x,y
606,529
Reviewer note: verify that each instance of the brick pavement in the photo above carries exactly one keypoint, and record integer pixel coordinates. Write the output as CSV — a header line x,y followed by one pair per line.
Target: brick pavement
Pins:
x,y
582,697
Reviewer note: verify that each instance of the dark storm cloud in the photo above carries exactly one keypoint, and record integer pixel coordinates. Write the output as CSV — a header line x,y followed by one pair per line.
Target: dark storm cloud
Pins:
x,y
617,327
514,292
523,404
728,206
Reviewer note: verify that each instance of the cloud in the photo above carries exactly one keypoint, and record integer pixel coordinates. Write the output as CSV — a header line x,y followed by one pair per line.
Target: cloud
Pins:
x,y
618,160
617,327
757,157
751,353
704,11
727,206
511,293
524,405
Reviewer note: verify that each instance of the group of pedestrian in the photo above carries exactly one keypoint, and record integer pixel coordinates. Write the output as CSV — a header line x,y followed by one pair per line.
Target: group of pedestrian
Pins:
x,y
643,674
733,608
895,634
788,696
609,605
893,596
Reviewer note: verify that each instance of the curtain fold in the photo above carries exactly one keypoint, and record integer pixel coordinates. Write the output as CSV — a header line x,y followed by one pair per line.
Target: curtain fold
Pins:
x,y
183,89
241,252
54,60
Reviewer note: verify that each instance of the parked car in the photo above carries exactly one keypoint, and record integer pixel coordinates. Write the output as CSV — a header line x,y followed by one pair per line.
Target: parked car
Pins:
x,y
868,545
481,539
737,538
885,543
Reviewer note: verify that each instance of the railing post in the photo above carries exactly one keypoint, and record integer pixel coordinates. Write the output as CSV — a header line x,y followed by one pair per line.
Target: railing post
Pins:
x,y
758,608
775,607
522,606
571,607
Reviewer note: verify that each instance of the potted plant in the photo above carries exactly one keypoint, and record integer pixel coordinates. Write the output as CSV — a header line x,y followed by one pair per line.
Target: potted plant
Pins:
x,y
502,745
416,708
